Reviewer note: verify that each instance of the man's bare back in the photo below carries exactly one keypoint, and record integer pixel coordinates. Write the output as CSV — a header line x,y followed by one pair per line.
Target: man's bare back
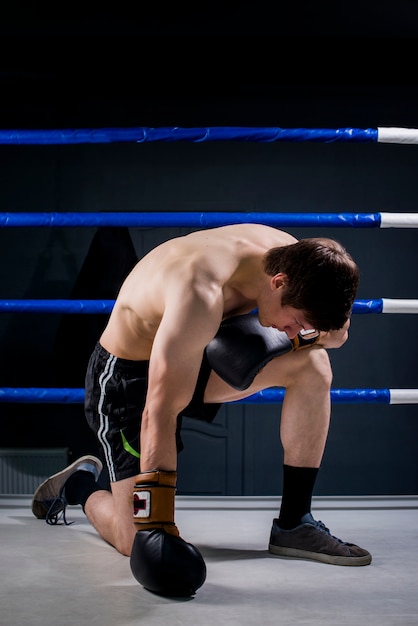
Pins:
x,y
222,265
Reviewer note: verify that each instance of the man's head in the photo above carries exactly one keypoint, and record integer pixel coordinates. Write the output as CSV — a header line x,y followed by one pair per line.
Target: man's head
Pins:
x,y
321,280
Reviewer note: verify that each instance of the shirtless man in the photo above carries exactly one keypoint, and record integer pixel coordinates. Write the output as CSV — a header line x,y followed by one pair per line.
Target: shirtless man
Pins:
x,y
159,358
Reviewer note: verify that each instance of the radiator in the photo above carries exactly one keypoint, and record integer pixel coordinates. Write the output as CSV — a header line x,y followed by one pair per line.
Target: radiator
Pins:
x,y
23,469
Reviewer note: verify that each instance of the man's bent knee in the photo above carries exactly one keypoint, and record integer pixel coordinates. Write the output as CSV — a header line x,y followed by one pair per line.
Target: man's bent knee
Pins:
x,y
122,538
125,545
111,514
311,367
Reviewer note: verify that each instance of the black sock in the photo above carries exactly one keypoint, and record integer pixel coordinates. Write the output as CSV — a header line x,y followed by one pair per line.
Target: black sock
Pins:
x,y
79,487
298,484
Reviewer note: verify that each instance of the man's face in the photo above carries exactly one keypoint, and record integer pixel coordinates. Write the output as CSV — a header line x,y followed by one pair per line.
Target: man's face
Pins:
x,y
291,321
271,311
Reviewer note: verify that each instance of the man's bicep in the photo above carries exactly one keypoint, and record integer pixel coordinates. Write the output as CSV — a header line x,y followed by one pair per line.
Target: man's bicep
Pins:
x,y
177,355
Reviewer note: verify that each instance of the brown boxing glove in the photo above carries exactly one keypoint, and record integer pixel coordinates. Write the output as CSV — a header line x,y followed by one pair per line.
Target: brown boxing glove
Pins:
x,y
161,560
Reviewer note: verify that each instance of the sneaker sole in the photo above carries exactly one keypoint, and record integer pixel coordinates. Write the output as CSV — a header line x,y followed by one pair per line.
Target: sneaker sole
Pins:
x,y
319,556
52,486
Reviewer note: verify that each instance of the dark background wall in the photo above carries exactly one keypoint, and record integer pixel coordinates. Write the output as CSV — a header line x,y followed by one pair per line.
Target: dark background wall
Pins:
x,y
371,448
369,19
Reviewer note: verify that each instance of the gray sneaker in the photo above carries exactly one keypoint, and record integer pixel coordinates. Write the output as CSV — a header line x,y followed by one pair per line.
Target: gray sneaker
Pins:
x,y
312,540
49,501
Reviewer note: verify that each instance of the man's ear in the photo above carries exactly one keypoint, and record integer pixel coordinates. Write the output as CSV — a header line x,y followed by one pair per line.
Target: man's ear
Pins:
x,y
279,280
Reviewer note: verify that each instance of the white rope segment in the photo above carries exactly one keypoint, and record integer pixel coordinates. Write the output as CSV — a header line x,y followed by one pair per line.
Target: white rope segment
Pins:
x,y
398,220
392,305
403,396
397,135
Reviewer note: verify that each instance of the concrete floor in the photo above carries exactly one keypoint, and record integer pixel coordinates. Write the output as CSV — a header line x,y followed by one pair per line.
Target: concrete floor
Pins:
x,y
66,575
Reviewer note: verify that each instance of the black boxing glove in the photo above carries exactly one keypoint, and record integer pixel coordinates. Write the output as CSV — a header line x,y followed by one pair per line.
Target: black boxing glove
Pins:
x,y
161,560
242,347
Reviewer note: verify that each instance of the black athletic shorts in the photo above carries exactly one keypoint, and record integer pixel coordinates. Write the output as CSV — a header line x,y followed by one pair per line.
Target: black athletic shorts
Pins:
x,y
115,392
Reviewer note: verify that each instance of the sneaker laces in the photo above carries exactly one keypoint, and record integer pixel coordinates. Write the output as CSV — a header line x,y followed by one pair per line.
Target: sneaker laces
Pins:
x,y
56,511
321,526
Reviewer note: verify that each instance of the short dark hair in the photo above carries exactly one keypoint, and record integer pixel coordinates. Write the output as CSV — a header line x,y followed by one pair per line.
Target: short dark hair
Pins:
x,y
322,280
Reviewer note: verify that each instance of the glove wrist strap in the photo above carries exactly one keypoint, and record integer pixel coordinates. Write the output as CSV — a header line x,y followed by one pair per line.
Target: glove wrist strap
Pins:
x,y
153,500
305,339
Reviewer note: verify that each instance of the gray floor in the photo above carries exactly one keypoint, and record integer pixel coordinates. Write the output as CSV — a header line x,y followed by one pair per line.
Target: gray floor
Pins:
x,y
66,575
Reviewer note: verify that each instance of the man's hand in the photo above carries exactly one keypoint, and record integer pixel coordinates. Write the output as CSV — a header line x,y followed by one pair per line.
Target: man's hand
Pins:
x,y
334,338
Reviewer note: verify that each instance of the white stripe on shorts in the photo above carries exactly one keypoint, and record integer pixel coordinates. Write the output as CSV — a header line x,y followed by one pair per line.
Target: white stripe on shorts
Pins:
x,y
104,419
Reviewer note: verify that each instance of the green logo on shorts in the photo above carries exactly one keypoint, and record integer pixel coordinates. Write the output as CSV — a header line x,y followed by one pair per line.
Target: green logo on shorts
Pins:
x,y
128,446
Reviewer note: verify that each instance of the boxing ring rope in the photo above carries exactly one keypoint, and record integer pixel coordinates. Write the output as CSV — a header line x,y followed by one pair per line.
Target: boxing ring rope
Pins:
x,y
206,220
379,305
217,133
55,395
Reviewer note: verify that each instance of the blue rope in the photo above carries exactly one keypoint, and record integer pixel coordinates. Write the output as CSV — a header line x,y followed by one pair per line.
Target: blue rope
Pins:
x,y
189,219
338,396
106,306
34,395
194,135
56,306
